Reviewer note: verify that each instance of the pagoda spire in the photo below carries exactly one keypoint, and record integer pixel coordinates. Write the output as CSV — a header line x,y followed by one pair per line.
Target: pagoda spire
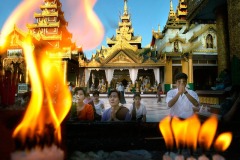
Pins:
x,y
125,8
171,12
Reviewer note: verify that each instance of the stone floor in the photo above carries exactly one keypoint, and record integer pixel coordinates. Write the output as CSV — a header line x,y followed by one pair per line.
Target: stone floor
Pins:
x,y
155,111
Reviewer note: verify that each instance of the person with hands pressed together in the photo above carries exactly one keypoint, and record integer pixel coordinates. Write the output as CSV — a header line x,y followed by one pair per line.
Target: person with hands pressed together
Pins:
x,y
181,100
116,112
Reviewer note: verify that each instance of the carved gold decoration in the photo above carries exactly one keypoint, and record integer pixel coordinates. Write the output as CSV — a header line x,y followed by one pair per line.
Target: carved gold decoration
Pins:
x,y
202,30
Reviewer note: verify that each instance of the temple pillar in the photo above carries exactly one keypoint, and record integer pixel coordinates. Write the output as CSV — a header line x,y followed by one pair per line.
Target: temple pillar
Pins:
x,y
234,27
234,40
222,39
109,75
184,66
65,68
133,74
87,75
157,74
168,75
190,71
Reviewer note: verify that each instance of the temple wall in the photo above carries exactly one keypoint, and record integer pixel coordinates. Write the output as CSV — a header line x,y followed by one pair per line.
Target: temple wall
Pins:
x,y
234,40
222,41
234,27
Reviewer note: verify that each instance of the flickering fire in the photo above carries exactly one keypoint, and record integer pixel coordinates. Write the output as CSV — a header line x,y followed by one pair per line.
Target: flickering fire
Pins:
x,y
21,15
85,25
50,100
190,132
223,141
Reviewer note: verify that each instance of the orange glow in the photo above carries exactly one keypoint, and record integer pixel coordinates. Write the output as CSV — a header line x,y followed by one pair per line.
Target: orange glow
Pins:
x,y
22,15
190,133
166,131
193,128
50,100
179,131
223,141
207,132
84,24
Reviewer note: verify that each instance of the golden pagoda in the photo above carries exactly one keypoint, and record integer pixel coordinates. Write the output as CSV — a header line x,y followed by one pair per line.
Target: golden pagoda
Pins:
x,y
50,36
124,60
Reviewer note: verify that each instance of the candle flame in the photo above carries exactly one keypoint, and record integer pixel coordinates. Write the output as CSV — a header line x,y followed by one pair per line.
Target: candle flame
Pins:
x,y
207,132
193,128
50,100
189,132
166,131
223,141
179,131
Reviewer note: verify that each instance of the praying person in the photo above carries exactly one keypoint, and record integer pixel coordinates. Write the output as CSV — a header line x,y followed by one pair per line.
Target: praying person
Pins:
x,y
137,109
181,100
116,112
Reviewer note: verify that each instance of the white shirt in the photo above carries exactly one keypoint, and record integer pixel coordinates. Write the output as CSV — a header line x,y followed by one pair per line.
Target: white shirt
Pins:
x,y
183,108
98,107
140,111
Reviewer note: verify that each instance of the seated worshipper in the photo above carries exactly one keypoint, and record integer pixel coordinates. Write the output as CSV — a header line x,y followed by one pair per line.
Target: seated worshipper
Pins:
x,y
137,109
230,108
116,112
88,99
81,110
98,106
181,100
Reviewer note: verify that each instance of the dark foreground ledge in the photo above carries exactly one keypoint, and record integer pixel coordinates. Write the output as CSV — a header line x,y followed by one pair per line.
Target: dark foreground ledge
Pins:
x,y
110,136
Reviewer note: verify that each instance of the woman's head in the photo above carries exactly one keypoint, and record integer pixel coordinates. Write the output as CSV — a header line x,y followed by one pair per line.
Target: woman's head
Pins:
x,y
114,97
80,93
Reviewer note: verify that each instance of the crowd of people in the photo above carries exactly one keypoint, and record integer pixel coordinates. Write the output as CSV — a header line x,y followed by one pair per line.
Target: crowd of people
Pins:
x,y
181,101
89,108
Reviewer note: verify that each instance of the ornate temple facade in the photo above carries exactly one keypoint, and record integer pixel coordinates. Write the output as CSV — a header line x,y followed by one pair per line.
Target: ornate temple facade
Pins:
x,y
124,60
191,49
50,36
181,46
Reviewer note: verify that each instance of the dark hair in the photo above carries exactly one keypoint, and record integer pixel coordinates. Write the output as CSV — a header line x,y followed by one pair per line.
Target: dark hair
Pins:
x,y
181,76
137,95
114,90
96,93
79,89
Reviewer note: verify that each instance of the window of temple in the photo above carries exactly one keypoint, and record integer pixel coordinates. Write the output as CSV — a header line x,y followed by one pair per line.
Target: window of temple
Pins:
x,y
209,41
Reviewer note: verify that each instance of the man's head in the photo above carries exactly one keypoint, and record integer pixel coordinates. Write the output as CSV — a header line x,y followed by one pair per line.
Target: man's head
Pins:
x,y
181,76
181,79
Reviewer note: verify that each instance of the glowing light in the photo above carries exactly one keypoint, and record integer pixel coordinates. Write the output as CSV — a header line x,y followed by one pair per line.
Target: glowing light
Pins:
x,y
84,24
165,128
207,132
190,132
223,141
50,100
22,15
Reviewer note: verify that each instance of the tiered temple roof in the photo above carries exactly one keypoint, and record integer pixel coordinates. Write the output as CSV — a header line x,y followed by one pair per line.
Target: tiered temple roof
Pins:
x,y
124,49
51,26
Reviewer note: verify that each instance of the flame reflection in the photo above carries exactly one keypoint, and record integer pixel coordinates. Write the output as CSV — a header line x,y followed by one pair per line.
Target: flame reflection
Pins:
x,y
50,100
21,15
